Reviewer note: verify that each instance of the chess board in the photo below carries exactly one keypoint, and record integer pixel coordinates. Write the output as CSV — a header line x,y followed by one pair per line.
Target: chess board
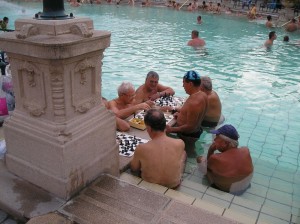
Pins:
x,y
128,143
138,120
172,101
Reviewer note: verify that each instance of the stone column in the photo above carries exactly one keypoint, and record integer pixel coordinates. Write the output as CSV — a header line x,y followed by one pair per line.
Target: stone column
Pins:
x,y
60,136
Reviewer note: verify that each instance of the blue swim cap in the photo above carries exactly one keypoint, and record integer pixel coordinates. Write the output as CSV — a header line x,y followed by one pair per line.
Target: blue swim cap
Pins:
x,y
191,75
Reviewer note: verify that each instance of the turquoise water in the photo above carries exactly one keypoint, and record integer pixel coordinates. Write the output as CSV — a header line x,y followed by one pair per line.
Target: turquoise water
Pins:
x,y
259,88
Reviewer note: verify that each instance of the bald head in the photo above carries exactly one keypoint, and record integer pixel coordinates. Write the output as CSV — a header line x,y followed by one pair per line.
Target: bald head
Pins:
x,y
206,83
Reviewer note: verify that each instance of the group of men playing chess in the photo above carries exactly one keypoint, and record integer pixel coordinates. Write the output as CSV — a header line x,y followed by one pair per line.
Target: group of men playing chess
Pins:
x,y
162,159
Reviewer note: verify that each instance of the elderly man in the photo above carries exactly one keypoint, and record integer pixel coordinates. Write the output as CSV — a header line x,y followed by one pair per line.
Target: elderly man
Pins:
x,y
124,105
162,159
231,170
121,124
191,114
152,90
214,109
196,41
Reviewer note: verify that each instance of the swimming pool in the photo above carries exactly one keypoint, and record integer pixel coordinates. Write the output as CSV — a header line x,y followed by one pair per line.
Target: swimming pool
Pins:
x,y
259,88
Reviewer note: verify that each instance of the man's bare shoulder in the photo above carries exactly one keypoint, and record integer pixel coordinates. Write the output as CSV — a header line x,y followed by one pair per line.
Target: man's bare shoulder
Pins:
x,y
112,103
196,99
140,88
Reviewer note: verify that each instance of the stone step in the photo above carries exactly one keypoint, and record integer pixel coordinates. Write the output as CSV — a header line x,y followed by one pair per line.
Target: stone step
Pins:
x,y
115,201
219,202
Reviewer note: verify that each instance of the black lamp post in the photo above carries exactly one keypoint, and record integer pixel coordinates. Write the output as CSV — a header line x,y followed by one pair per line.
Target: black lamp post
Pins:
x,y
54,10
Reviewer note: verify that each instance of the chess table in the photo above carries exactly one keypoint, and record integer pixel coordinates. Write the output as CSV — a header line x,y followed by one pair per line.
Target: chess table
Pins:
x,y
124,160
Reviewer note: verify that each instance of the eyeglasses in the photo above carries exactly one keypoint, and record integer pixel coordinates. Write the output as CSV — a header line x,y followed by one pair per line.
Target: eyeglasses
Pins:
x,y
191,75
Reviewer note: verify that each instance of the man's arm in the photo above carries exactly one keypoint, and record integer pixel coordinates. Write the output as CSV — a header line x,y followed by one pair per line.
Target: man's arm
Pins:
x,y
135,164
193,114
122,125
211,150
124,113
165,90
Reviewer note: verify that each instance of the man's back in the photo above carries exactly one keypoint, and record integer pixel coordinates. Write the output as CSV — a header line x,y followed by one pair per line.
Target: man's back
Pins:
x,y
196,42
214,107
229,167
291,27
162,160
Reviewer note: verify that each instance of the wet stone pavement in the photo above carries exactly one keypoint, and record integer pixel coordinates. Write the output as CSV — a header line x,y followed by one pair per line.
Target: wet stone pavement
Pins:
x,y
7,219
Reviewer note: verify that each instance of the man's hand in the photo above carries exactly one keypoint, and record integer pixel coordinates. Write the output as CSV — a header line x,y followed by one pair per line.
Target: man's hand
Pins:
x,y
150,103
166,108
143,106
154,96
168,129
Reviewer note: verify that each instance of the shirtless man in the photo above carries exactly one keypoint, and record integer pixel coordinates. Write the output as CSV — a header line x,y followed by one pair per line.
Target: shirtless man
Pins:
x,y
191,114
272,37
292,26
124,105
269,23
199,19
231,170
214,108
152,90
196,41
122,125
162,159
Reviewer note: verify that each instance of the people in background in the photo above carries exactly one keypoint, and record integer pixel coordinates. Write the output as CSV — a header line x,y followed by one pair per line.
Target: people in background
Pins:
x,y
252,12
231,169
199,19
269,23
162,159
292,26
272,37
151,89
286,39
214,108
196,41
4,23
125,105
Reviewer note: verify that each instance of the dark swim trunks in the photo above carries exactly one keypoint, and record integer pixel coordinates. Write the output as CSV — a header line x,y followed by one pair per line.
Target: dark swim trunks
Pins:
x,y
209,124
196,134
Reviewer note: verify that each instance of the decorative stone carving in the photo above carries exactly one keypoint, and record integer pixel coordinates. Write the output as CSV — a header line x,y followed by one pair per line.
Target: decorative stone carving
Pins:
x,y
81,29
57,88
27,30
84,84
32,90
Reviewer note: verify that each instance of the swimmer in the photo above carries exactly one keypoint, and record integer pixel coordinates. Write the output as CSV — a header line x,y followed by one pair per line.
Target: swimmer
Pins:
x,y
272,37
269,23
196,41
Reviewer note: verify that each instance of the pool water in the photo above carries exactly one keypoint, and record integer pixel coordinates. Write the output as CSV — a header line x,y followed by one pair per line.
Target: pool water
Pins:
x,y
259,88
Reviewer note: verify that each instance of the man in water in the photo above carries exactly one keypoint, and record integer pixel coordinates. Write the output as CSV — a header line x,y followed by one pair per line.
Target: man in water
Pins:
x,y
124,105
162,159
269,23
196,41
292,26
214,109
121,124
190,116
231,170
4,23
152,90
272,37
199,19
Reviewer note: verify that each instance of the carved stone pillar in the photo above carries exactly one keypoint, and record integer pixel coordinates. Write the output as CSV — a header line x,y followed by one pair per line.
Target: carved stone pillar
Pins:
x,y
60,136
